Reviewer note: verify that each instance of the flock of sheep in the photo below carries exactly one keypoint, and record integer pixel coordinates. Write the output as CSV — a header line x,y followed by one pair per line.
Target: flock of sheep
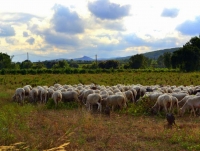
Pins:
x,y
181,98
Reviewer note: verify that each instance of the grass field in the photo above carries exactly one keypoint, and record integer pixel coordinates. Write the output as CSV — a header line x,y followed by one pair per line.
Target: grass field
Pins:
x,y
35,127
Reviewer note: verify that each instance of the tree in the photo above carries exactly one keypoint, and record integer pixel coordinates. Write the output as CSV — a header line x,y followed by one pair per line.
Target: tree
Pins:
x,y
138,61
109,64
167,59
187,58
61,64
160,61
5,61
27,64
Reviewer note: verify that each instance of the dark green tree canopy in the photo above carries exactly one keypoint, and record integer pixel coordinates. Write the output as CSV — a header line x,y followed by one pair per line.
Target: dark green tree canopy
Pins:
x,y
188,57
138,61
109,64
5,61
27,64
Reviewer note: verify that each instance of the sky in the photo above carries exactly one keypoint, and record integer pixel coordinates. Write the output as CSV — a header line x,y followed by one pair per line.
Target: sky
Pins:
x,y
41,30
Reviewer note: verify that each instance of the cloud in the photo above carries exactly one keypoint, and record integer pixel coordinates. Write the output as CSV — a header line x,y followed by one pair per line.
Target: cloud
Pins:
x,y
170,12
17,17
115,25
103,9
134,40
6,30
25,34
30,41
11,41
59,39
66,21
190,27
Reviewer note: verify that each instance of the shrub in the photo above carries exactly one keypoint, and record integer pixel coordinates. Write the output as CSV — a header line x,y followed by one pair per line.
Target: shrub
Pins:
x,y
83,71
61,105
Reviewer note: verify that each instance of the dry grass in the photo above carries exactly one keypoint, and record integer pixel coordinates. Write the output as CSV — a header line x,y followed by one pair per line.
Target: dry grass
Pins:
x,y
31,127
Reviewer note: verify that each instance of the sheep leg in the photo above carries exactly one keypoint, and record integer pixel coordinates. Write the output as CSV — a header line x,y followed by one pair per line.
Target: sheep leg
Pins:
x,y
99,106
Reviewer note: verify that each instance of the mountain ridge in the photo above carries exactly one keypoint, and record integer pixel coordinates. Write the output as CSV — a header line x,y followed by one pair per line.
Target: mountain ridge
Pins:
x,y
152,55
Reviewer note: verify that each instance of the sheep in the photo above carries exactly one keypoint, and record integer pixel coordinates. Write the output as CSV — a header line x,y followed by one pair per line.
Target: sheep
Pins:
x,y
182,102
152,96
19,95
33,95
93,99
114,100
175,102
43,96
50,93
163,101
179,95
84,95
57,97
70,96
193,102
129,96
27,90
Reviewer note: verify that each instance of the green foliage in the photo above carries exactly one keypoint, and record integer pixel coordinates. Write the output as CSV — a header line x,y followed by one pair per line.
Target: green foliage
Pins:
x,y
188,57
142,107
138,61
109,64
5,61
167,59
61,105
27,64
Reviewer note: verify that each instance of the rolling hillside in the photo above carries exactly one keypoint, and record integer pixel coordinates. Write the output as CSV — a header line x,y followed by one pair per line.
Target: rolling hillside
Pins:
x,y
153,54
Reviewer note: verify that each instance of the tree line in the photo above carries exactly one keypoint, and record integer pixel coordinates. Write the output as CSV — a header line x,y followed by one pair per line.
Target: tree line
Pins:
x,y
185,59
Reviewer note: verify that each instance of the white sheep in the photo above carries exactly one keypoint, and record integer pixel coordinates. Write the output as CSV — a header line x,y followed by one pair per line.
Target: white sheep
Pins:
x,y
191,103
43,96
163,101
57,97
93,99
33,95
19,95
27,90
115,100
129,96
70,96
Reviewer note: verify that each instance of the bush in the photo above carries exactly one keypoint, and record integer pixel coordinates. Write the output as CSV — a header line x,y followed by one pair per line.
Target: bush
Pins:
x,y
142,107
83,71
23,71
61,105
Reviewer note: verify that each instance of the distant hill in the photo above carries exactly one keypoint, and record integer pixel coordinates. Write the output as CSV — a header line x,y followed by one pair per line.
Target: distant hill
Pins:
x,y
152,54
84,58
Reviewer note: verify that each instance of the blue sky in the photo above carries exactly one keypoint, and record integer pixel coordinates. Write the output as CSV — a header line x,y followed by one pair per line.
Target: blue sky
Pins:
x,y
107,28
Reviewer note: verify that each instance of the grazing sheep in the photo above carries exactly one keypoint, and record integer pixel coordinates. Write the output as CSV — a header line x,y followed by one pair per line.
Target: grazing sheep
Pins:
x,y
93,99
43,95
175,103
115,100
19,95
33,95
163,101
57,97
129,96
191,103
84,95
50,93
179,95
27,90
70,96
182,102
